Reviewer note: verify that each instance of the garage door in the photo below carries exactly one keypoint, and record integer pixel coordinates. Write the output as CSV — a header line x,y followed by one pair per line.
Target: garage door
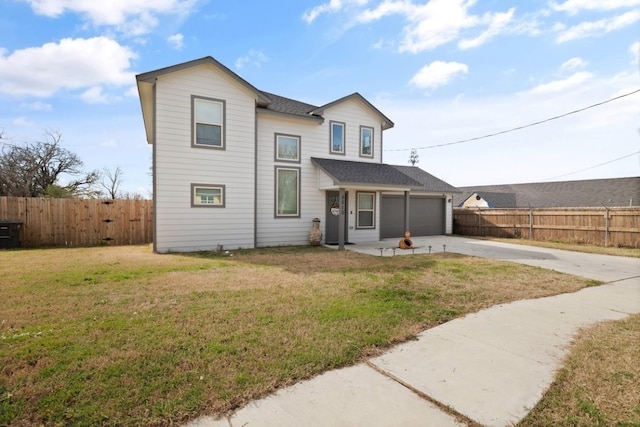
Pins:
x,y
426,216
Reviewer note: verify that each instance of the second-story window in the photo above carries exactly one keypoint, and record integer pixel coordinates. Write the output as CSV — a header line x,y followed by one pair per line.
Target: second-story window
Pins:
x,y
336,138
208,122
366,141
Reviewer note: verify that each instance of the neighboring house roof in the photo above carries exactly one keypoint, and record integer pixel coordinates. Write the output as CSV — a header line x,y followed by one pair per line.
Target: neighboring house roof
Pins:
x,y
494,200
429,182
584,193
346,172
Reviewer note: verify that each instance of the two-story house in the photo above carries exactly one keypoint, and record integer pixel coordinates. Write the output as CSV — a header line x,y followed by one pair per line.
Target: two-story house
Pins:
x,y
236,167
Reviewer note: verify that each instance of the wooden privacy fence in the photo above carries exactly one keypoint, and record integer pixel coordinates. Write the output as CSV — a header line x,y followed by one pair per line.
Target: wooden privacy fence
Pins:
x,y
597,226
79,222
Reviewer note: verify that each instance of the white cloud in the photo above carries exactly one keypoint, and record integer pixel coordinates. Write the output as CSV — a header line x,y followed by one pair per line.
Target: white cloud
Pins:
x,y
332,6
37,106
94,95
634,51
255,58
573,64
109,143
557,86
438,22
595,28
22,122
575,6
437,74
130,16
69,64
176,41
497,23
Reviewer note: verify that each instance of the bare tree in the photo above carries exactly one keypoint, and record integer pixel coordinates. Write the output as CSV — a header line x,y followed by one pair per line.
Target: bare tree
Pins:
x,y
29,169
111,181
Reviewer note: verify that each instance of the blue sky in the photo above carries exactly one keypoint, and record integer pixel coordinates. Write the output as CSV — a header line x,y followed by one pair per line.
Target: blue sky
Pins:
x,y
443,70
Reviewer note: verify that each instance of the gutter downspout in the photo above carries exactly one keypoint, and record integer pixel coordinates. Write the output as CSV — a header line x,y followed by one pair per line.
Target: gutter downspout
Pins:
x,y
154,186
255,178
407,206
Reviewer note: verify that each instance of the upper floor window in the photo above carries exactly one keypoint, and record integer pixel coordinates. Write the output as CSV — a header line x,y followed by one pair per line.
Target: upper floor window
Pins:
x,y
208,122
287,148
366,141
336,138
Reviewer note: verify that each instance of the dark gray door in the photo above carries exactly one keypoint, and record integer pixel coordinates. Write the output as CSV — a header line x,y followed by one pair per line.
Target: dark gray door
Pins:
x,y
331,224
426,216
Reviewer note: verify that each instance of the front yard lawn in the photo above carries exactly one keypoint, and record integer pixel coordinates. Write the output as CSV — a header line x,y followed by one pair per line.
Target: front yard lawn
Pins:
x,y
121,336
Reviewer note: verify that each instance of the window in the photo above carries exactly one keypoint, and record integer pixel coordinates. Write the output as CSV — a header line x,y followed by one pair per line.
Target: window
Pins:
x,y
206,195
287,192
208,122
366,141
366,210
336,139
287,148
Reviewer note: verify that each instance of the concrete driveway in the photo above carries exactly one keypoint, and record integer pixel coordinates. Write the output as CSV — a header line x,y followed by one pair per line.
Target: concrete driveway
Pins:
x,y
599,267
488,368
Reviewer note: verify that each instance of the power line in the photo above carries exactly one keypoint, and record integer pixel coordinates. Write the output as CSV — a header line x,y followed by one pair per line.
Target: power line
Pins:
x,y
592,167
519,127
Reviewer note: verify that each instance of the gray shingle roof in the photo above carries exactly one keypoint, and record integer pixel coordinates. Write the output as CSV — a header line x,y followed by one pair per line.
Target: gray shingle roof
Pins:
x,y
429,182
346,172
585,193
281,104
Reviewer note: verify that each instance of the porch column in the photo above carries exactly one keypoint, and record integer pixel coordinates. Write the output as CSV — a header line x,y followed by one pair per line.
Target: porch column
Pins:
x,y
407,200
341,221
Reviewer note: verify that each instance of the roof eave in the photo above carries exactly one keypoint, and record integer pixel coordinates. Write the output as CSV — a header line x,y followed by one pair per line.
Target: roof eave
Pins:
x,y
316,119
146,95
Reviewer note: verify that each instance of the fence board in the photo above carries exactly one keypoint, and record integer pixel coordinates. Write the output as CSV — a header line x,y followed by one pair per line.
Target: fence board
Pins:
x,y
597,226
79,222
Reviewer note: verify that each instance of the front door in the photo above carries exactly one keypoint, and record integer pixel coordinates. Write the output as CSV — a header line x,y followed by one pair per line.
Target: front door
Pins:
x,y
332,221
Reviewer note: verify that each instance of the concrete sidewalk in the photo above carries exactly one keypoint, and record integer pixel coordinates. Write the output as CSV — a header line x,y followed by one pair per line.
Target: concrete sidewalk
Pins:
x,y
487,368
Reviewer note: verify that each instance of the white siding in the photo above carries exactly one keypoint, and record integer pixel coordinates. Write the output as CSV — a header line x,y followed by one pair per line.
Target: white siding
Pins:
x,y
272,231
179,226
355,114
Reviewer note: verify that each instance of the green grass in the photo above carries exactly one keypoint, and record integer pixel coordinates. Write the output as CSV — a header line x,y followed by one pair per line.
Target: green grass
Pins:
x,y
599,382
121,336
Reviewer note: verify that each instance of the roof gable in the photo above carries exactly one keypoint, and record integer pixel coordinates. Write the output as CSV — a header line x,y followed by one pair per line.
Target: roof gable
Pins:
x,y
385,121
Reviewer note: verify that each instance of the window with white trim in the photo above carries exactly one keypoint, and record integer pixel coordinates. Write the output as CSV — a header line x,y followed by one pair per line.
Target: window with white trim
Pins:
x,y
205,195
365,207
336,137
366,141
287,190
208,122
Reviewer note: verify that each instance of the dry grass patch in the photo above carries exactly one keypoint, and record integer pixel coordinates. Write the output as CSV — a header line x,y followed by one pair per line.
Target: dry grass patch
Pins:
x,y
121,336
599,384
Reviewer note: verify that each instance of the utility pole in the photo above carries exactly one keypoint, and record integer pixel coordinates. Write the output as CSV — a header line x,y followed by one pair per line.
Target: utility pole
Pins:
x,y
413,158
